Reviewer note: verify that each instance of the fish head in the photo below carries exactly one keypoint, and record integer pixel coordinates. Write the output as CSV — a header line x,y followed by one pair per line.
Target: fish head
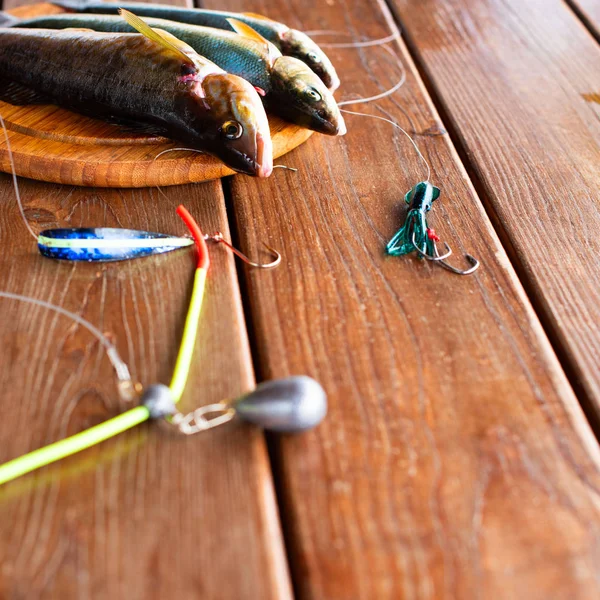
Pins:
x,y
238,124
297,44
299,96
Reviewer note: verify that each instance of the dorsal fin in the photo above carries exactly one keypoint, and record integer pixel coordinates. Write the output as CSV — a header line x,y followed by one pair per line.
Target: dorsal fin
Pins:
x,y
244,29
163,38
257,16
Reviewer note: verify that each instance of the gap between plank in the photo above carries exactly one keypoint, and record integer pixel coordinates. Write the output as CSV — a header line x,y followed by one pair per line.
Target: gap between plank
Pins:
x,y
270,440
537,303
275,455
582,17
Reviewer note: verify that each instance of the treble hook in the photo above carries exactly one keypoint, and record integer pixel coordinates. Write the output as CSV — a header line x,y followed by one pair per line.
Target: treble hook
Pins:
x,y
218,238
441,259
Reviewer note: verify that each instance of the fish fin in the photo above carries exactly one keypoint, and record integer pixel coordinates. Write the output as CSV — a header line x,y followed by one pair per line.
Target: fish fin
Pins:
x,y
245,30
587,97
166,40
435,193
257,16
7,20
21,95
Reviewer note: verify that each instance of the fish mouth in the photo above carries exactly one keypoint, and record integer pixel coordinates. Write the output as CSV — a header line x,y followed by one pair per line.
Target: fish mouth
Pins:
x,y
333,82
329,127
262,166
264,155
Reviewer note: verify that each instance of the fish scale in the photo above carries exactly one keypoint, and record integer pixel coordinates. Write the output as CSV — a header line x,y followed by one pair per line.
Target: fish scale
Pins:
x,y
291,90
133,81
232,52
290,42
60,68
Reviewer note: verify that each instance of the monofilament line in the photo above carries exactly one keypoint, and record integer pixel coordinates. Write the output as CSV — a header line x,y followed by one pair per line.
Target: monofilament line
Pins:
x,y
402,130
15,182
389,92
365,44
119,365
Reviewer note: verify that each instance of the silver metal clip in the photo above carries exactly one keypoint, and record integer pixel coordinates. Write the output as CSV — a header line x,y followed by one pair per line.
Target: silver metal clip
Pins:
x,y
201,419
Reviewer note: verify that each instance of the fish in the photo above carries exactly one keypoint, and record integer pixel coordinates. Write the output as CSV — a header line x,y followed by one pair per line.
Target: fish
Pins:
x,y
290,42
288,87
155,85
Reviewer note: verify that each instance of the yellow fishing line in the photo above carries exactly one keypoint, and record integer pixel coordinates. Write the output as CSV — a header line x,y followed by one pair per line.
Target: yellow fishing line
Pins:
x,y
188,341
80,441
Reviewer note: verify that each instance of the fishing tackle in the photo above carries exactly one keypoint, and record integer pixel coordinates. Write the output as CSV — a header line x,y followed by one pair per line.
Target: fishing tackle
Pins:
x,y
100,244
290,405
104,244
416,235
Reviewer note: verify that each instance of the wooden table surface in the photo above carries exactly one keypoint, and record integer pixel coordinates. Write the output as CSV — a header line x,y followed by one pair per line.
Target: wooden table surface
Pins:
x,y
458,459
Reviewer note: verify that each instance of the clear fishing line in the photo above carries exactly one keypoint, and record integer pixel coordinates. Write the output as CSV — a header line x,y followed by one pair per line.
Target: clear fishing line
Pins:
x,y
351,112
176,149
14,177
200,152
364,44
387,93
121,368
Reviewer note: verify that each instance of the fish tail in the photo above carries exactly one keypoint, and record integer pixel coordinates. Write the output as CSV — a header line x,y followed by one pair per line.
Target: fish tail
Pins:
x,y
71,5
415,230
7,20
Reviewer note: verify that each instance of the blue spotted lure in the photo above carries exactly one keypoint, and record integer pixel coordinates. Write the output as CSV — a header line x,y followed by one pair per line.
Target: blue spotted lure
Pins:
x,y
104,244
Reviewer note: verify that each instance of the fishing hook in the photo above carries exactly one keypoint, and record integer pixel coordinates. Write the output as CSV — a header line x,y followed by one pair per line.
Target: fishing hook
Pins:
x,y
218,238
474,266
441,259
435,258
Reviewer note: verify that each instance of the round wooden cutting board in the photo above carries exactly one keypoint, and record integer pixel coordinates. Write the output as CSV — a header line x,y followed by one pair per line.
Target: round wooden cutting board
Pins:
x,y
56,145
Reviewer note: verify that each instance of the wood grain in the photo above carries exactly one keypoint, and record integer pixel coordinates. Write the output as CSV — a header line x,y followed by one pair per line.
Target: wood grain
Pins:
x,y
146,515
56,145
523,81
455,461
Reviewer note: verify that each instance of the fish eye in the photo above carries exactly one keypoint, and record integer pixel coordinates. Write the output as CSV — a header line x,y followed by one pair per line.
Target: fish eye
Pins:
x,y
232,130
313,94
314,57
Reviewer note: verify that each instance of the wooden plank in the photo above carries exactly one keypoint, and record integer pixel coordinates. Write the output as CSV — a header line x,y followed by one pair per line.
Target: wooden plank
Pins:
x,y
514,87
455,461
146,515
589,12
